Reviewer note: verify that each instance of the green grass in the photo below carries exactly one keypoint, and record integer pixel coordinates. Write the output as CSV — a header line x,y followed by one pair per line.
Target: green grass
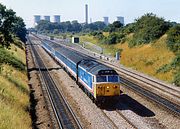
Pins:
x,y
145,58
14,92
107,49
7,57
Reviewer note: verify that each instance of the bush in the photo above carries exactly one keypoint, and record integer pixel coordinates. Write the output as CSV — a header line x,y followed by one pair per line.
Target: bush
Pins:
x,y
115,37
121,37
176,80
129,28
7,58
19,44
111,39
173,38
148,28
99,35
174,65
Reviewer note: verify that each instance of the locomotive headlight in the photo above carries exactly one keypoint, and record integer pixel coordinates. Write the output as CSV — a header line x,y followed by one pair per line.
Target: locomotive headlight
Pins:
x,y
107,87
115,87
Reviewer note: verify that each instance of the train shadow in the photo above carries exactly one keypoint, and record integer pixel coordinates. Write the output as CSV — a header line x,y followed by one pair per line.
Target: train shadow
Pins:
x,y
43,69
125,102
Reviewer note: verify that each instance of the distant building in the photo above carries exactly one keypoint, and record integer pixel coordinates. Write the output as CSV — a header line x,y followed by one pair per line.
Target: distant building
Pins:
x,y
106,20
120,19
47,18
37,18
86,13
75,39
57,18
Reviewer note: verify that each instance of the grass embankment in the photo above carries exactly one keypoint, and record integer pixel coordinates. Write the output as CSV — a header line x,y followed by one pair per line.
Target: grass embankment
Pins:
x,y
107,49
146,58
14,92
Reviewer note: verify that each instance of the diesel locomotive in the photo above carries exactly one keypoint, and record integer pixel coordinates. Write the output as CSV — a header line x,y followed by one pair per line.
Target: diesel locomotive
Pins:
x,y
100,82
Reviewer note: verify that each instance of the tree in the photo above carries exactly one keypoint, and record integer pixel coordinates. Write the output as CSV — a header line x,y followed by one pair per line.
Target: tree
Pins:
x,y
173,38
76,27
129,28
19,29
111,39
7,17
117,24
149,28
114,27
10,25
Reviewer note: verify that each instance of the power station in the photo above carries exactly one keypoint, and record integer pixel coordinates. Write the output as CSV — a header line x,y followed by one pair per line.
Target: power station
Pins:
x,y
106,20
57,18
120,19
37,18
47,18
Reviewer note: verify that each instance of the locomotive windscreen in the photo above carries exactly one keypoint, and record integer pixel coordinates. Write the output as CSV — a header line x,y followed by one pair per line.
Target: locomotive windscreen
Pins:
x,y
107,72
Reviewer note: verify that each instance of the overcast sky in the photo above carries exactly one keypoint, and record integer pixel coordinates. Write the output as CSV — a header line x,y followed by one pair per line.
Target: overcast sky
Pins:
x,y
75,9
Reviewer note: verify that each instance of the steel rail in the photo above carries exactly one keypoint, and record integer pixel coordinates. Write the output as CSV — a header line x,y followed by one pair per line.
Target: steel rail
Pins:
x,y
63,120
113,124
154,97
126,119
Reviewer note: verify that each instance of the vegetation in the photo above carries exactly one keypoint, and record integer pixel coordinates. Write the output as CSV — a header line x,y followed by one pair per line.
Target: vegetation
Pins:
x,y
64,27
173,65
173,39
10,26
14,93
148,28
147,58
8,58
153,59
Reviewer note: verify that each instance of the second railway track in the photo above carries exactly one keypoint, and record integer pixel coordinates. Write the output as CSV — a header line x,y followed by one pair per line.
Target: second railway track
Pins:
x,y
64,115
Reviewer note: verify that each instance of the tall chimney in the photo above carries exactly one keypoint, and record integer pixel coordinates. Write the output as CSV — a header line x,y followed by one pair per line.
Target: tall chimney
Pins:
x,y
86,8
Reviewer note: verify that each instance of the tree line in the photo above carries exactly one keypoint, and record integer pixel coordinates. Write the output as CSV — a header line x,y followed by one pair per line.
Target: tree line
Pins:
x,y
145,29
44,26
11,26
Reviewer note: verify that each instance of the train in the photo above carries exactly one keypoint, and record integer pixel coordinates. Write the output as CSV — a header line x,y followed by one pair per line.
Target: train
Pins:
x,y
100,82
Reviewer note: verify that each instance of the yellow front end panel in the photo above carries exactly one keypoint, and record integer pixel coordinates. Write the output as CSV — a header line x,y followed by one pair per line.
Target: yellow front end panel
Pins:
x,y
107,89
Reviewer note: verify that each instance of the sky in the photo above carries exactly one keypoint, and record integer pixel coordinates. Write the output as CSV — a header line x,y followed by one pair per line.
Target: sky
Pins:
x,y
75,9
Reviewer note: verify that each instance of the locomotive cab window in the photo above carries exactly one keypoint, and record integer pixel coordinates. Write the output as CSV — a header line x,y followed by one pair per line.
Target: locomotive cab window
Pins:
x,y
101,79
113,78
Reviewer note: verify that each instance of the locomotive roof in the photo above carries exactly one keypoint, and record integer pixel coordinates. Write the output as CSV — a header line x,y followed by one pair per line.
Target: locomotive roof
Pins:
x,y
97,68
88,64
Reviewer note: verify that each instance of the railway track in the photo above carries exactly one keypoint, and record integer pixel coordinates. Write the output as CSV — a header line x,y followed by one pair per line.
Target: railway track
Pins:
x,y
112,124
110,120
154,97
65,117
127,120
173,107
